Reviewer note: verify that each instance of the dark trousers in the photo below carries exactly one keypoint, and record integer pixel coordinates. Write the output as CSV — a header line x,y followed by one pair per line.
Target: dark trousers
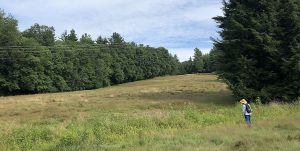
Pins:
x,y
248,119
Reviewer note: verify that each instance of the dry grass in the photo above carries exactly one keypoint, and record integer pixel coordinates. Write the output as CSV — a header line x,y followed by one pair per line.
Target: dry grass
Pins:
x,y
189,112
159,93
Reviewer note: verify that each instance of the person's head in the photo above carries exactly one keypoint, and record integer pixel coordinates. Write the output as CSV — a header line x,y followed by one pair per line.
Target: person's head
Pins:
x,y
243,101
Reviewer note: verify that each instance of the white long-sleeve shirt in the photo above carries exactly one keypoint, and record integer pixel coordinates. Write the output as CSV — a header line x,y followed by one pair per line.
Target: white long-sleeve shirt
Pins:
x,y
244,110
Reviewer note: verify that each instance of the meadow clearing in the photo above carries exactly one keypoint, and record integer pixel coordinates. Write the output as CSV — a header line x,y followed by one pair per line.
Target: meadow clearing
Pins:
x,y
187,112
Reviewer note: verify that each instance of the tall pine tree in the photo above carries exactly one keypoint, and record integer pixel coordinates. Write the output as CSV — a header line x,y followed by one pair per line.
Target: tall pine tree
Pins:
x,y
198,61
253,48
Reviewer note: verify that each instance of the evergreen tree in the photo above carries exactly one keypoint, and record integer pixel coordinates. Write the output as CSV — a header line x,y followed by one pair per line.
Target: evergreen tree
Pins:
x,y
86,39
71,37
63,36
288,32
101,40
206,63
116,39
213,62
250,51
187,67
198,61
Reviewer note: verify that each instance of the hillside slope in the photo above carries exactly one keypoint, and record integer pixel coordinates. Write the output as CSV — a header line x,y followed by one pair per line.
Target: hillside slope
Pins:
x,y
189,112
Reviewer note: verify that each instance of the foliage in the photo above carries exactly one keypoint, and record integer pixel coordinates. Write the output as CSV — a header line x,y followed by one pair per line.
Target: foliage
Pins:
x,y
9,34
186,112
199,64
258,54
71,37
43,34
198,61
33,62
86,39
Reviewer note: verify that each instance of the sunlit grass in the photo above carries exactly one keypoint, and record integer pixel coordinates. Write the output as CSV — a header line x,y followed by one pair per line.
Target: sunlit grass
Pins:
x,y
190,112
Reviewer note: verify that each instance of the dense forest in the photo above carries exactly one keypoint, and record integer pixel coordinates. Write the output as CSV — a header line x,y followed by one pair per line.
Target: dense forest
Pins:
x,y
200,63
35,61
258,54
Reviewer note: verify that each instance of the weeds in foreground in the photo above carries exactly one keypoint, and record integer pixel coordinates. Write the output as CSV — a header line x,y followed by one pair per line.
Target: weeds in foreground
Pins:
x,y
113,131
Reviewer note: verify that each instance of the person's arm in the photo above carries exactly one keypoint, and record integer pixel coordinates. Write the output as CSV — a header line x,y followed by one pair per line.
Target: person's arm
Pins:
x,y
244,108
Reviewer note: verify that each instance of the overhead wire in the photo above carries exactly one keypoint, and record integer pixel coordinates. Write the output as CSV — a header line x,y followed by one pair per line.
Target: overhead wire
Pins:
x,y
36,50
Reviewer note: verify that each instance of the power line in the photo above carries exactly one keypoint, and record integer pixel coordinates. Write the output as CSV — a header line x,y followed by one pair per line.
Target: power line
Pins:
x,y
7,52
80,46
78,50
59,48
76,47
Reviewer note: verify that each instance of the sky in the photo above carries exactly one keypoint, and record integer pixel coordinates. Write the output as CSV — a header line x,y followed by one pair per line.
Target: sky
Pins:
x,y
178,25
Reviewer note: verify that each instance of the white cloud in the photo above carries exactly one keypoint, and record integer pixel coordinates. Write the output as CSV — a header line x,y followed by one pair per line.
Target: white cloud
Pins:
x,y
177,24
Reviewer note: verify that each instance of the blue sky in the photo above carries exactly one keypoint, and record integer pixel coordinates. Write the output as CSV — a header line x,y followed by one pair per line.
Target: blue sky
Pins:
x,y
178,25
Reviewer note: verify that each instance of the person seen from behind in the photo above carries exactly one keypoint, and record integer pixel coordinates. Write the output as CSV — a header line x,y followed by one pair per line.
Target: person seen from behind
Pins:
x,y
246,109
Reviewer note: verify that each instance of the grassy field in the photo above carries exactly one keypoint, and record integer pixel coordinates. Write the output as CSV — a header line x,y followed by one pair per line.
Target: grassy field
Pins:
x,y
189,112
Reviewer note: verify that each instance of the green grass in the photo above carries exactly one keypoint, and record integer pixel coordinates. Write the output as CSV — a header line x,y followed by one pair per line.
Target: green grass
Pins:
x,y
190,112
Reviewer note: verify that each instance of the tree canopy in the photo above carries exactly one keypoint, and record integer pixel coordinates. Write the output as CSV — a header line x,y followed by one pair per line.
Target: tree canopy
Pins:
x,y
33,61
200,63
258,53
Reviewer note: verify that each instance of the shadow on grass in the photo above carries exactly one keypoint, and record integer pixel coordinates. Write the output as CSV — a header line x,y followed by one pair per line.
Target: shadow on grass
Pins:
x,y
222,98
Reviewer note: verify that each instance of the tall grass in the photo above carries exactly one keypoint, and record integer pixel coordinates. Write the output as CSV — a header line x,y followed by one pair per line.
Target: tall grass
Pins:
x,y
121,131
190,112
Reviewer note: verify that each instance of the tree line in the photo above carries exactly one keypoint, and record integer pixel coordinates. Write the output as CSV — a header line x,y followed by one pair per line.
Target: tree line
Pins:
x,y
200,63
34,61
258,54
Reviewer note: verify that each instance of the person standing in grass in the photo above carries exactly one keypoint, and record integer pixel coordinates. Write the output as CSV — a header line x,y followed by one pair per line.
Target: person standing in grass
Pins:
x,y
246,111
